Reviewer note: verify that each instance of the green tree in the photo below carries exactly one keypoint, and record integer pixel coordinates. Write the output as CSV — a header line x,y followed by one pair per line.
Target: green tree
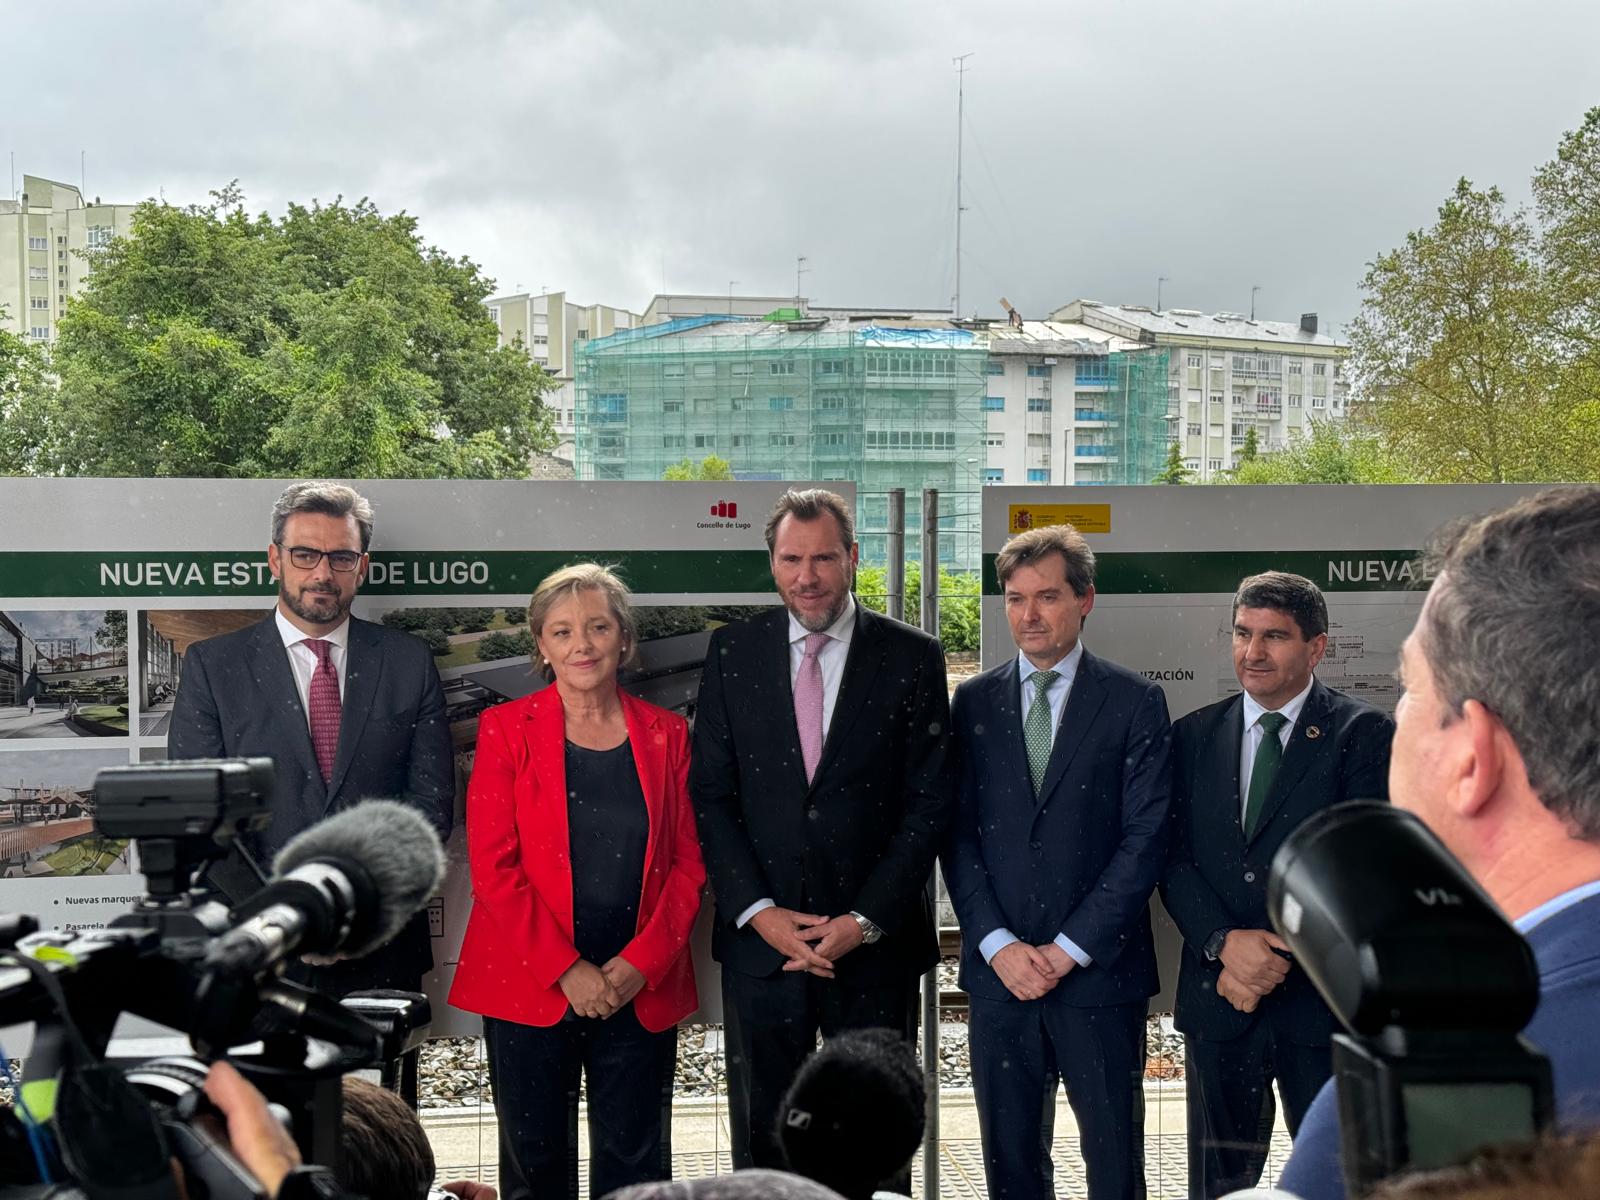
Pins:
x,y
1325,452
438,641
1450,352
958,602
1248,451
498,645
1174,471
22,385
710,468
113,630
330,341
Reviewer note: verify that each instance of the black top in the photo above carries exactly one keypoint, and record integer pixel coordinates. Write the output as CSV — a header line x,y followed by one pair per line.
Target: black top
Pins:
x,y
608,828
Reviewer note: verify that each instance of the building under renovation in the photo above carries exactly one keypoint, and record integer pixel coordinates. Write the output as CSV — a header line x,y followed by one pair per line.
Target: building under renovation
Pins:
x,y
886,402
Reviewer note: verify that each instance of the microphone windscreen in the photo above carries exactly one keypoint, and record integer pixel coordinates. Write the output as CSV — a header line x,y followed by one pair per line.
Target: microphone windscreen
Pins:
x,y
393,842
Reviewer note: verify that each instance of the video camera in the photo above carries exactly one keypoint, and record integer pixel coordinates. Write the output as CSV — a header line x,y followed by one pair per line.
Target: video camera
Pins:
x,y
185,960
1431,981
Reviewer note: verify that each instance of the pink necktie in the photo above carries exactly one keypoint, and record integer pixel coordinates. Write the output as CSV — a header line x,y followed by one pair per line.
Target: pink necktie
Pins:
x,y
324,707
808,703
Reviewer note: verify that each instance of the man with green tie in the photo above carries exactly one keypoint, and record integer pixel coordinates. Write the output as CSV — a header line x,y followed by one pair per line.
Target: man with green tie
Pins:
x,y
1246,772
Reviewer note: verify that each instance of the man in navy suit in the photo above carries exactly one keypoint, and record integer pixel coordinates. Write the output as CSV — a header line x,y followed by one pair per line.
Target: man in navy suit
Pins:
x,y
1495,751
1059,838
1247,771
347,710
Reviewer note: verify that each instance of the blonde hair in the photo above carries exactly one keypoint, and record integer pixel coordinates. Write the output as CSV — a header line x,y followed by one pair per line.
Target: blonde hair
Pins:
x,y
569,581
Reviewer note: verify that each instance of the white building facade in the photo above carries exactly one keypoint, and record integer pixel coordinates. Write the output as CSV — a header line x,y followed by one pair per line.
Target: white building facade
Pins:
x,y
41,233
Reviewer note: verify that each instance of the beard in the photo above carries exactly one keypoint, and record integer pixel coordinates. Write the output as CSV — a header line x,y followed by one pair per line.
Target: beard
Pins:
x,y
819,622
320,608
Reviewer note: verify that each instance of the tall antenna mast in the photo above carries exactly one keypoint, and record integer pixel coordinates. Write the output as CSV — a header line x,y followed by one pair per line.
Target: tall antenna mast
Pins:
x,y
800,269
1253,292
960,62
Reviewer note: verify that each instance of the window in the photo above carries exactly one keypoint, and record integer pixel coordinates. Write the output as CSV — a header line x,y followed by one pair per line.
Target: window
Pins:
x,y
61,256
61,240
740,403
742,369
1193,428
1296,367
1194,361
785,367
1216,463
831,439
994,439
1319,402
1093,371
1192,464
1038,403
40,333
780,403
705,441
583,335
610,407
38,272
100,235
910,439
672,371
705,370
994,404
612,442
38,301
1038,474
541,339
1041,370
1319,368
780,439
741,439
673,441
1294,399
1238,399
672,406
494,313
704,405
830,366
994,475
1216,397
996,367
832,403
1039,439
37,243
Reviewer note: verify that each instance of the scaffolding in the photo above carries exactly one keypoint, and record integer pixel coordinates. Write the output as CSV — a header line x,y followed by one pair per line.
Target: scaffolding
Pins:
x,y
793,397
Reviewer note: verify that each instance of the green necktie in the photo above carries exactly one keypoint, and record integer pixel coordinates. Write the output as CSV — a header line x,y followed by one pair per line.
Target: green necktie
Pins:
x,y
1269,755
1036,729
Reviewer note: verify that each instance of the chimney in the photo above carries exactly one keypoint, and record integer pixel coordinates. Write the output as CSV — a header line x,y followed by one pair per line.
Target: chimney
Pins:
x,y
1308,323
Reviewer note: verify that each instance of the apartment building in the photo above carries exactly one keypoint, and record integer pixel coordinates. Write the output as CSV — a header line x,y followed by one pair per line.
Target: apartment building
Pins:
x,y
1228,374
42,232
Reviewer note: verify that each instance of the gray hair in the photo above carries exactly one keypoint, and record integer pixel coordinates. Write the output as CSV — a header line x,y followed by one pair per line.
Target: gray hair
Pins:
x,y
808,505
568,581
1514,623
329,499
1028,548
1292,594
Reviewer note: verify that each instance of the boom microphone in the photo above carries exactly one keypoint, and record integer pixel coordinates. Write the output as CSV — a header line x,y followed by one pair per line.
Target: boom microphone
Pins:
x,y
342,888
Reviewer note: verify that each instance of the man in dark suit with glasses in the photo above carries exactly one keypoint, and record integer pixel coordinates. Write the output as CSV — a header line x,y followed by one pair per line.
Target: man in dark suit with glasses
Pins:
x,y
348,710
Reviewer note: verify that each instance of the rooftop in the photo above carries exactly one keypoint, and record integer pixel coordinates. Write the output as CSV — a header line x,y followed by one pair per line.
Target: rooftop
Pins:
x,y
1189,322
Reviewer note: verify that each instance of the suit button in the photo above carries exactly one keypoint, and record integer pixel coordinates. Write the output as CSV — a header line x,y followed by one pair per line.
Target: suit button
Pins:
x,y
811,814
1036,845
1249,876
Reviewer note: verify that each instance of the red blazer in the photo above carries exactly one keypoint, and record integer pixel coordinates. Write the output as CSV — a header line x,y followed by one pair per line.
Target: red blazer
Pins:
x,y
519,937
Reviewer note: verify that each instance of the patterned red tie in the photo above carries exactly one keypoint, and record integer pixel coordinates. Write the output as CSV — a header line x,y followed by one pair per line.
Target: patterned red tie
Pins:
x,y
325,707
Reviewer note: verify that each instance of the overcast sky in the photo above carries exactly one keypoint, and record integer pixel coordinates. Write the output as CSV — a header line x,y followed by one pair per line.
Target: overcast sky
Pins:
x,y
610,148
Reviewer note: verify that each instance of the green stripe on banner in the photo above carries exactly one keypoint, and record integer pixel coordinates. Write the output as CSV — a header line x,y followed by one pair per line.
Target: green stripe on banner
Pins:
x,y
394,572
1157,573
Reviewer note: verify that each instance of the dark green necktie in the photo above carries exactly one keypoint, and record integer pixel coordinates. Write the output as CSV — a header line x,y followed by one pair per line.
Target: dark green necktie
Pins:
x,y
1269,755
1036,729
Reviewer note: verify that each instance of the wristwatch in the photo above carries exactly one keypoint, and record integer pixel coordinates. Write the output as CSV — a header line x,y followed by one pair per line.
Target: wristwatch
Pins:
x,y
1213,947
870,933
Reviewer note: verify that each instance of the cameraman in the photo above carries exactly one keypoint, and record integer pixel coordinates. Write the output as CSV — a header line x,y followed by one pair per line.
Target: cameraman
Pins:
x,y
1495,748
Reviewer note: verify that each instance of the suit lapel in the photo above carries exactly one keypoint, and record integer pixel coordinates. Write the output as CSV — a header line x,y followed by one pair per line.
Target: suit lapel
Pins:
x,y
1302,750
363,668
1220,769
860,667
547,752
1084,700
1014,757
269,667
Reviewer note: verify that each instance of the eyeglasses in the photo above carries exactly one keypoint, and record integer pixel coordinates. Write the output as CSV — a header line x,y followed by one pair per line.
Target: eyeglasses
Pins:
x,y
307,557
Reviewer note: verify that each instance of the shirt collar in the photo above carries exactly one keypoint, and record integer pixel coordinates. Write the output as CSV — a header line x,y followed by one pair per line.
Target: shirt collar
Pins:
x,y
292,634
1555,905
1067,668
1291,710
839,631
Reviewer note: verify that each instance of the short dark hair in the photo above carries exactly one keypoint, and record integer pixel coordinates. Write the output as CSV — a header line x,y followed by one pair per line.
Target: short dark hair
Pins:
x,y
1286,593
809,504
329,499
1514,623
1028,548
854,1115
382,1148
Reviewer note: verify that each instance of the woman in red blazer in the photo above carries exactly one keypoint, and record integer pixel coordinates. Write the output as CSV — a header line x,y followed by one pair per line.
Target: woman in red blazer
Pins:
x,y
586,880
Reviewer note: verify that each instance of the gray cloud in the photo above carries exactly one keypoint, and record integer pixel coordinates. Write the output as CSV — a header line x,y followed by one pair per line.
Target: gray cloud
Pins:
x,y
596,147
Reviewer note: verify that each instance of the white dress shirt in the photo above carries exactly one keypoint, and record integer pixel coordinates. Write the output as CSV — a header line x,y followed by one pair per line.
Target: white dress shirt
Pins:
x,y
1253,733
303,659
1056,695
831,661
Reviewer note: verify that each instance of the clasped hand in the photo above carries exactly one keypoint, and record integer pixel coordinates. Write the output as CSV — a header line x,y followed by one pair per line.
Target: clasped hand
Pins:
x,y
1251,966
807,941
1030,972
599,992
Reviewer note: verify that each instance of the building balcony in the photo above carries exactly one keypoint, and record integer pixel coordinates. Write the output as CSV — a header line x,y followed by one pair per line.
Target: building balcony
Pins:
x,y
1089,416
1098,453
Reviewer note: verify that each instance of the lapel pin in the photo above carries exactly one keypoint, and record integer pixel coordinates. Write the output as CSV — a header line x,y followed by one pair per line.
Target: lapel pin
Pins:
x,y
1313,732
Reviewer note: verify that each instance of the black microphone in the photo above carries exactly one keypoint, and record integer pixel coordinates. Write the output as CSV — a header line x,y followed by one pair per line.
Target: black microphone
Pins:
x,y
341,889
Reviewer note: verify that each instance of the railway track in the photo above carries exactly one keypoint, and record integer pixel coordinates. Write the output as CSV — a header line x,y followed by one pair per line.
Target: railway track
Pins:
x,y
952,1000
